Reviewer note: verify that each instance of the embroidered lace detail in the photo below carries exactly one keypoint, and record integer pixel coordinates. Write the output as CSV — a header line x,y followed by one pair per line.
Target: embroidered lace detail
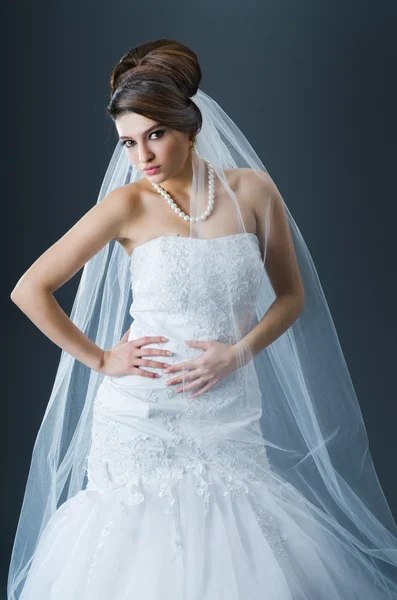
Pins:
x,y
102,539
131,463
169,287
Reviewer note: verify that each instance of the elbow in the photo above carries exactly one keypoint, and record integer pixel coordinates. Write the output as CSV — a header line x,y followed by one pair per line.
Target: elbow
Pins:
x,y
300,301
297,301
25,288
301,306
19,290
26,292
16,295
21,294
301,297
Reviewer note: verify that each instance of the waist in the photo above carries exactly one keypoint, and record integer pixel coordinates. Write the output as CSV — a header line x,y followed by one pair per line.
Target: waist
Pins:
x,y
178,326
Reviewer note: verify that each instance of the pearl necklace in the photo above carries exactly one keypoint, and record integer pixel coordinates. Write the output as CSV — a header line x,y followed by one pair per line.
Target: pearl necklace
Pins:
x,y
175,207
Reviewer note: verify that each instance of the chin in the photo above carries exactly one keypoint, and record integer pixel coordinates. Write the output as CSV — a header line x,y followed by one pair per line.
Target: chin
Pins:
x,y
160,178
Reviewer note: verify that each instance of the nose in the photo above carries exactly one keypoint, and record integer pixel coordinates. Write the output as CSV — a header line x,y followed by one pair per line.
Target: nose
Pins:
x,y
144,154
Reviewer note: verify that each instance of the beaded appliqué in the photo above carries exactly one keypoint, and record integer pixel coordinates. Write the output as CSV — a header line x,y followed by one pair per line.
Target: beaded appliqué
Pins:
x,y
102,539
144,459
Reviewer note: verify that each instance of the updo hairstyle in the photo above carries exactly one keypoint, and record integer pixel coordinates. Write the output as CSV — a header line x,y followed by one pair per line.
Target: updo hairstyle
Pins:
x,y
156,80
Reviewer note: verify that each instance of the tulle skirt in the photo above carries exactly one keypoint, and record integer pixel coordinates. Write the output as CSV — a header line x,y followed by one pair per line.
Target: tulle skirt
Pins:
x,y
221,541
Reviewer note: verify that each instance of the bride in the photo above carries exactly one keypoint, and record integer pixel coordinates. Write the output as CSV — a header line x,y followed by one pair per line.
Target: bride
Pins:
x,y
203,439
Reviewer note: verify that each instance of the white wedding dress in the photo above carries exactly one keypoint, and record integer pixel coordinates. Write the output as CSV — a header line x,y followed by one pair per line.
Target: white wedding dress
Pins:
x,y
177,507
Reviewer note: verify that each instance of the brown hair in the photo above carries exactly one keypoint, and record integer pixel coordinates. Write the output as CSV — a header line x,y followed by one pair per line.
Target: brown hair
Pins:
x,y
156,80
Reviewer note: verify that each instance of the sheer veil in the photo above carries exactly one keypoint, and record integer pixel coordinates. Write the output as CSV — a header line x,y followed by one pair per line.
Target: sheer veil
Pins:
x,y
306,414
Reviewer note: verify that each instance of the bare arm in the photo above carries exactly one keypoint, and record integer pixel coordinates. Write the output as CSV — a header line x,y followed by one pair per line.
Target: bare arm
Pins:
x,y
280,262
33,293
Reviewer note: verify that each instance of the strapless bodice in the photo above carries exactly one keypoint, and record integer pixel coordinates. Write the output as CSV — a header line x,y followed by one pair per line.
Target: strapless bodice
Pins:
x,y
142,426
166,287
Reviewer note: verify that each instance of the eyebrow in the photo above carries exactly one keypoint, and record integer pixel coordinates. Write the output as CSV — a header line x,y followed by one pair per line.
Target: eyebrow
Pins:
x,y
126,137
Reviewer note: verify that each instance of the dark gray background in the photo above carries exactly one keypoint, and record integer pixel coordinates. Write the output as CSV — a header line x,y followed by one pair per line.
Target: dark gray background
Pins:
x,y
312,86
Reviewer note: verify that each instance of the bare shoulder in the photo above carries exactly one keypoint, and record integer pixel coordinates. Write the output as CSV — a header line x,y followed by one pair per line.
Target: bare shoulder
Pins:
x,y
253,180
123,198
258,189
124,202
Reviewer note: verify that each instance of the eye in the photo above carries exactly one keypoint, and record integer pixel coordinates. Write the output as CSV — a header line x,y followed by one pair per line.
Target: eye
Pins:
x,y
160,131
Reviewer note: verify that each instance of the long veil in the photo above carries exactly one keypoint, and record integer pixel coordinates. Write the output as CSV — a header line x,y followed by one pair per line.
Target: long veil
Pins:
x,y
297,398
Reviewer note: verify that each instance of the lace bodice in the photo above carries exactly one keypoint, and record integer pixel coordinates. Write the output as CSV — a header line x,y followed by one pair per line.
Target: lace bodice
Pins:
x,y
233,270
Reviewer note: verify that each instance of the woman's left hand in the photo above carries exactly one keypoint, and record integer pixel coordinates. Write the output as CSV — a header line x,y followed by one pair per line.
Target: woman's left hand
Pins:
x,y
205,371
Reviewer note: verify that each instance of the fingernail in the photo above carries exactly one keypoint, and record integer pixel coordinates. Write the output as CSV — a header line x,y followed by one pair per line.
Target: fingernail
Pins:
x,y
163,339
169,352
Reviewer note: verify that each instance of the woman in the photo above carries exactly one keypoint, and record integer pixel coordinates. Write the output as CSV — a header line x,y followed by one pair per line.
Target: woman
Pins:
x,y
216,450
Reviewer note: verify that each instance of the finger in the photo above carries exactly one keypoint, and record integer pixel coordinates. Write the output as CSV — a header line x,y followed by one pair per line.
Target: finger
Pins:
x,y
187,377
150,363
152,352
125,336
137,371
194,384
147,339
197,343
202,391
190,364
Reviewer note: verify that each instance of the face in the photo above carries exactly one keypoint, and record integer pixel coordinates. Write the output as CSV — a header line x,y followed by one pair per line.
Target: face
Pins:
x,y
149,143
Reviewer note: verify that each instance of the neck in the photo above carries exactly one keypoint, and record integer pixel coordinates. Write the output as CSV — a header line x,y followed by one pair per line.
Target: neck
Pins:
x,y
180,184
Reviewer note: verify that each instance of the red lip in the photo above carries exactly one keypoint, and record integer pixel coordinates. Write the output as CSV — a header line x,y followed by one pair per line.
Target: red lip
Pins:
x,y
151,170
